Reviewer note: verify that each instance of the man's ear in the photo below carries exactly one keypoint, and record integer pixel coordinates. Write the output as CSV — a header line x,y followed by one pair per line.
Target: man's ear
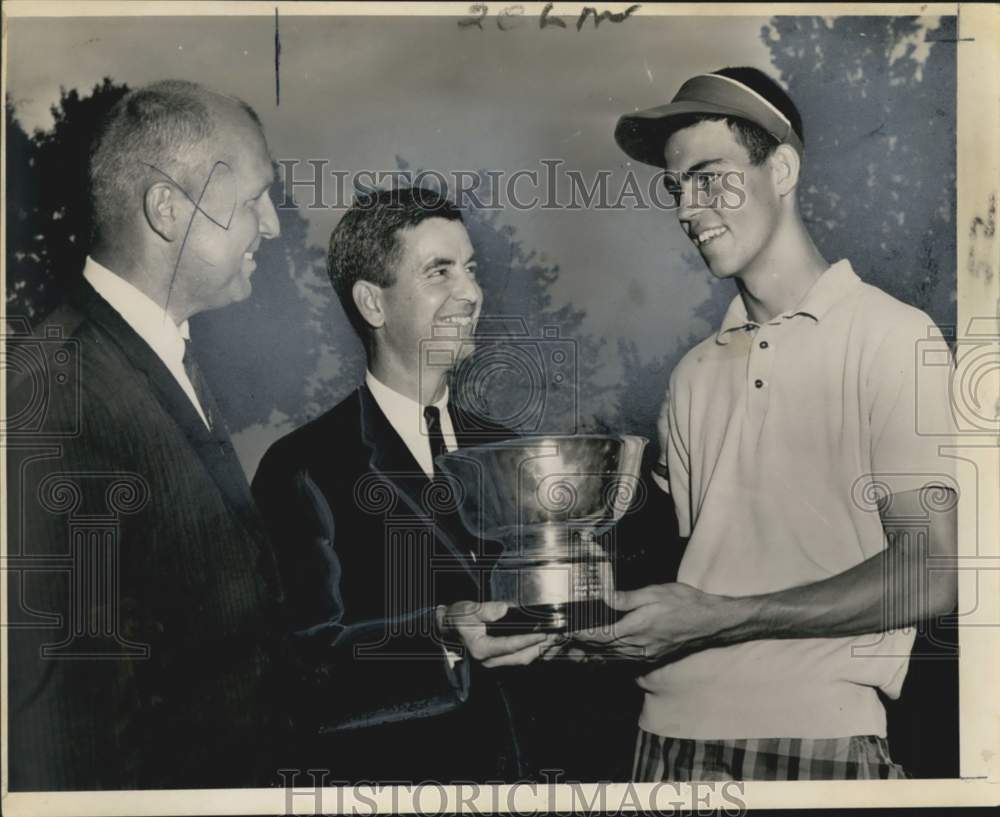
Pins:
x,y
368,299
161,210
785,166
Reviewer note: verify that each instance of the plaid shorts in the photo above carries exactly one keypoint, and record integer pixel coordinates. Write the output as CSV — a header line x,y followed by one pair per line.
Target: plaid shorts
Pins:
x,y
860,757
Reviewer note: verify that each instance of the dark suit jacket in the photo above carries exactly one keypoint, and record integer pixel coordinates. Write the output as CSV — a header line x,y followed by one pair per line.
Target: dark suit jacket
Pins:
x,y
143,593
366,554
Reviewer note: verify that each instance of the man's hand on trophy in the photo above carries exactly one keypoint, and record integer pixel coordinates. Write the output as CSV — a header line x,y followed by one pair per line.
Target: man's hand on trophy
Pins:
x,y
466,621
661,619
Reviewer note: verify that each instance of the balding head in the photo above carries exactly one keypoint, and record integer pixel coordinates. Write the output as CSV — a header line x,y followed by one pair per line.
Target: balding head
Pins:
x,y
165,130
180,186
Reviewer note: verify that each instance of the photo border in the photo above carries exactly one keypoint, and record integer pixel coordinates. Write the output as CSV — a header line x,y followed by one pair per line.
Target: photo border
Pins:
x,y
978,180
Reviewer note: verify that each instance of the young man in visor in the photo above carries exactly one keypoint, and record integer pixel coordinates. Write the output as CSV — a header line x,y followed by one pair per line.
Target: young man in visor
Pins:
x,y
789,443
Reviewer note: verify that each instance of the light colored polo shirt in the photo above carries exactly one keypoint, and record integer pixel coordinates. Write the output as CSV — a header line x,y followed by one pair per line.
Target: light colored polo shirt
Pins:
x,y
776,431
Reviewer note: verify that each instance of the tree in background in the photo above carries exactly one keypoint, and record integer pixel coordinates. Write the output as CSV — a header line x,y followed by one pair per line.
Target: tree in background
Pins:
x,y
261,354
535,368
21,284
640,394
878,187
288,353
48,211
298,355
878,183
273,358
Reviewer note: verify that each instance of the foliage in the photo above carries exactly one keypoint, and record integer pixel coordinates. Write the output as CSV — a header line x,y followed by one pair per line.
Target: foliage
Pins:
x,y
260,354
878,188
535,367
878,181
48,211
288,352
879,171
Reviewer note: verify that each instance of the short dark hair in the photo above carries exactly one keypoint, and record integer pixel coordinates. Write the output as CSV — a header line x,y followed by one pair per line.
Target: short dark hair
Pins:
x,y
167,125
364,246
758,142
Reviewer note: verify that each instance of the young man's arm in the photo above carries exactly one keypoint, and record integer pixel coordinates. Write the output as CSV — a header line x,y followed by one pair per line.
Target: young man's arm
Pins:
x,y
898,587
907,582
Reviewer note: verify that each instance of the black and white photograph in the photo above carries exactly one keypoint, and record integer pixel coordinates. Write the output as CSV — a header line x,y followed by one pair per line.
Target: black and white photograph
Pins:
x,y
492,407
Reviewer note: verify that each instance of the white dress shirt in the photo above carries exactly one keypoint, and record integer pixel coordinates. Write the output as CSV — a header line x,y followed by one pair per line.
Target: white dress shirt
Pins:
x,y
407,417
149,321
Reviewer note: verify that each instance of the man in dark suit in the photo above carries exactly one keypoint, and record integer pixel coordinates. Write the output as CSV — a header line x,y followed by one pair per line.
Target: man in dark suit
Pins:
x,y
374,564
144,598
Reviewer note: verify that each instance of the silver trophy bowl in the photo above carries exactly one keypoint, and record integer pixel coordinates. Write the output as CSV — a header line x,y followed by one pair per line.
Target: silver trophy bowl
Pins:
x,y
547,500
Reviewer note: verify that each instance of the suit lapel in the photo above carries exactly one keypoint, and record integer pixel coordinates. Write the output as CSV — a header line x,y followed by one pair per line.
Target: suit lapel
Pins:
x,y
389,455
391,458
213,447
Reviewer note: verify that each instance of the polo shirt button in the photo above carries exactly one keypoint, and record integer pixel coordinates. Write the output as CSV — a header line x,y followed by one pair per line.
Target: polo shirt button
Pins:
x,y
759,383
764,344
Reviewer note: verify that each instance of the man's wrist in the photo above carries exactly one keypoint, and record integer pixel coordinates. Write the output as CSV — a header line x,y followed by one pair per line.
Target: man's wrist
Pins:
x,y
736,619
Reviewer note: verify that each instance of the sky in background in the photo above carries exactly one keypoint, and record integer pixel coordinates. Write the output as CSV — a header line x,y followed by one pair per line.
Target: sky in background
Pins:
x,y
363,93
359,92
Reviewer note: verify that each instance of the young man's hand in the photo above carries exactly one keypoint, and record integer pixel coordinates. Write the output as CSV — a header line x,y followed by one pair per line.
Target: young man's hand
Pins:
x,y
662,619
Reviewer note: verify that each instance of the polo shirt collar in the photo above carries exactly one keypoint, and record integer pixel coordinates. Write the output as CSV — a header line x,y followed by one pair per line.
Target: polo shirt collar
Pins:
x,y
835,282
735,318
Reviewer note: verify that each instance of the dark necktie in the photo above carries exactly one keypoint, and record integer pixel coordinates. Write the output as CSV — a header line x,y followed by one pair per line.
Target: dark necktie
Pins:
x,y
432,416
198,382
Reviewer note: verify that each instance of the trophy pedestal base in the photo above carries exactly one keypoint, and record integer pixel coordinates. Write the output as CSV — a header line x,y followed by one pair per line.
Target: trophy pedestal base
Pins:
x,y
554,618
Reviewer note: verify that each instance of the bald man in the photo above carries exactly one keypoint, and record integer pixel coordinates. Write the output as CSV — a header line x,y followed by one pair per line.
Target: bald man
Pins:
x,y
144,598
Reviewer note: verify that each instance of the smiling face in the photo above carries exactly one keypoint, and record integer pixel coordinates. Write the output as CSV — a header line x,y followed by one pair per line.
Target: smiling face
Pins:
x,y
234,214
430,310
733,232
